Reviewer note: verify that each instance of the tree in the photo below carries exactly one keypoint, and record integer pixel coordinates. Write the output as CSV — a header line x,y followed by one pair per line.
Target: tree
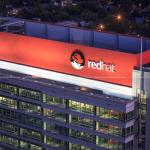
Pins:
x,y
16,3
2,2
89,16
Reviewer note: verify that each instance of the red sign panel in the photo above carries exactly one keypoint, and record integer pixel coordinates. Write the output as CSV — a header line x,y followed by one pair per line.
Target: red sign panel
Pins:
x,y
145,57
88,62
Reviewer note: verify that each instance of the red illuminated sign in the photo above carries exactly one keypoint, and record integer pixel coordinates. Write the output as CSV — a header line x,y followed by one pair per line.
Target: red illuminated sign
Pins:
x,y
101,65
83,61
77,59
78,62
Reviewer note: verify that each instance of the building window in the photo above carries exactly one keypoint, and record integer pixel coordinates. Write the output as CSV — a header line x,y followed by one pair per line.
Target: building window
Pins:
x,y
81,107
9,128
110,129
85,122
8,114
56,101
27,146
24,145
129,116
78,147
55,143
109,144
8,88
128,131
129,145
28,107
142,111
110,114
8,140
29,120
82,135
142,98
54,114
30,94
35,147
56,128
8,102
142,143
30,134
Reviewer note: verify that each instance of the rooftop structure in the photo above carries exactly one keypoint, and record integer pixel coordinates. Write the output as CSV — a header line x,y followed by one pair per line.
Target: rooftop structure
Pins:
x,y
66,88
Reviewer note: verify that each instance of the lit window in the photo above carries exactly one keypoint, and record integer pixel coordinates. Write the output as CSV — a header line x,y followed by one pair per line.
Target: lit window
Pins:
x,y
54,114
8,102
30,94
8,88
81,107
56,101
30,107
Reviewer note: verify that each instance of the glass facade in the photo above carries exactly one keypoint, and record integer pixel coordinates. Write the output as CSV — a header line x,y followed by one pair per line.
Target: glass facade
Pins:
x,y
54,128
28,107
9,140
8,102
51,100
9,128
79,147
55,142
81,107
8,114
30,94
54,114
77,115
82,135
109,144
111,114
81,121
8,88
29,120
142,98
30,134
28,146
109,129
115,130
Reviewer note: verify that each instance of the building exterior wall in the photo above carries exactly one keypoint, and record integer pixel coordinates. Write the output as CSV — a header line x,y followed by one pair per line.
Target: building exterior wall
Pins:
x,y
141,89
48,113
75,119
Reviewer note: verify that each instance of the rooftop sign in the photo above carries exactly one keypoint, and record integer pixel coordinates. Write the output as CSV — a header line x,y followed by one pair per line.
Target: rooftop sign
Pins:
x,y
77,60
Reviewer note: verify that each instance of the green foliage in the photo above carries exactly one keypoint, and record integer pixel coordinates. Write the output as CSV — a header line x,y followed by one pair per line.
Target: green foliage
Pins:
x,y
89,16
16,3
93,11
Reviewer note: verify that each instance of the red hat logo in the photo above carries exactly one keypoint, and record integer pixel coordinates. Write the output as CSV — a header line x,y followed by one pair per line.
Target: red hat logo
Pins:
x,y
77,59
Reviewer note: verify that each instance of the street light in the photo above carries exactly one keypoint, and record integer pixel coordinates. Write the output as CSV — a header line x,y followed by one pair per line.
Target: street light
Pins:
x,y
119,17
100,27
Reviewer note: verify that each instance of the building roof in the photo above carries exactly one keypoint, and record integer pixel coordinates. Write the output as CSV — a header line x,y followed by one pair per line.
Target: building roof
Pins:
x,y
47,51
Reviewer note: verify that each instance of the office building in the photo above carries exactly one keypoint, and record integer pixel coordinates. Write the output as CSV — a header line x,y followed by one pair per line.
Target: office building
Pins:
x,y
65,88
